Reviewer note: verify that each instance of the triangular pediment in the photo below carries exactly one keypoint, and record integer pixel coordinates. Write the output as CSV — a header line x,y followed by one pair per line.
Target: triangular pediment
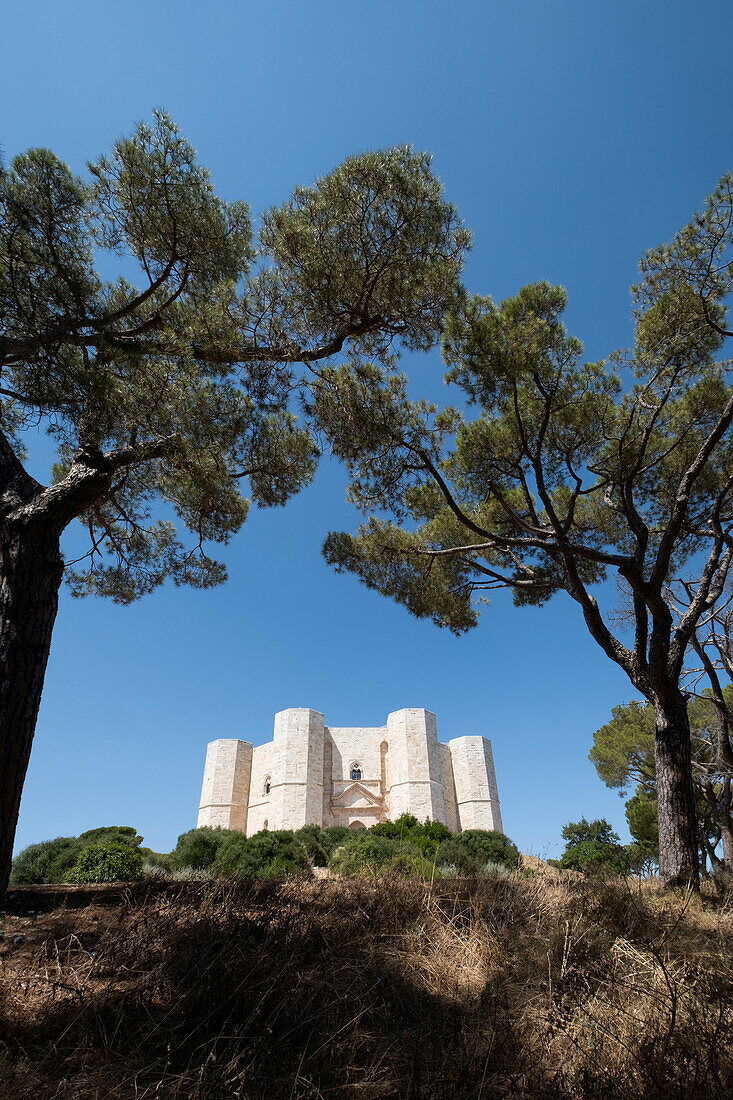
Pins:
x,y
356,795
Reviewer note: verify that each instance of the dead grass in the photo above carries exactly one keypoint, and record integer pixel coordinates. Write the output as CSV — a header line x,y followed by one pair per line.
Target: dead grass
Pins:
x,y
532,987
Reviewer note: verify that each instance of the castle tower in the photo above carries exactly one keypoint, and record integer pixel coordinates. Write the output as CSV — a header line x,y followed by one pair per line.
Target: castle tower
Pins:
x,y
225,790
353,776
296,792
477,797
415,766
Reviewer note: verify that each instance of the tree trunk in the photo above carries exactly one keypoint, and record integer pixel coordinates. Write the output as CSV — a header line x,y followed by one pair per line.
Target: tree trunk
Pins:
x,y
678,847
726,825
30,576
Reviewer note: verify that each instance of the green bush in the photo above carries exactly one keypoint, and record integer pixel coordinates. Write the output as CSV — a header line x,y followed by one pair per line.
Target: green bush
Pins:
x,y
470,851
198,848
52,861
332,836
265,855
427,837
592,846
111,834
310,837
156,861
411,865
112,862
229,855
43,862
365,853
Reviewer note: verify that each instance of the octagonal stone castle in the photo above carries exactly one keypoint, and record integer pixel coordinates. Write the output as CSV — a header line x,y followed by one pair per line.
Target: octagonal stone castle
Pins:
x,y
313,774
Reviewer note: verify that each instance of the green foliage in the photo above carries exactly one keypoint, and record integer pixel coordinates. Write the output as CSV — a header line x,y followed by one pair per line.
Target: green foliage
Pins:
x,y
198,848
182,393
641,815
592,846
112,834
425,837
623,752
110,862
267,854
403,270
52,861
470,851
157,861
44,862
332,836
367,853
623,749
410,865
310,836
229,854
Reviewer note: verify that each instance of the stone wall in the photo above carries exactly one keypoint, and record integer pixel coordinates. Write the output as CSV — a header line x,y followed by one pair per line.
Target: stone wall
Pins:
x,y
477,798
304,776
226,788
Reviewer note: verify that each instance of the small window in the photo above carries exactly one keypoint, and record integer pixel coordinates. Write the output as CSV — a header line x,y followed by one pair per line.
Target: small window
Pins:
x,y
267,785
356,770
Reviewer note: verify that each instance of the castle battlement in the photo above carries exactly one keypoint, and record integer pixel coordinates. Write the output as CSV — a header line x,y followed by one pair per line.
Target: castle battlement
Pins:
x,y
313,774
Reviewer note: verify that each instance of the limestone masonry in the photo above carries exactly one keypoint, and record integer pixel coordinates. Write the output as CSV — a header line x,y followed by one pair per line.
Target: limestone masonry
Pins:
x,y
313,774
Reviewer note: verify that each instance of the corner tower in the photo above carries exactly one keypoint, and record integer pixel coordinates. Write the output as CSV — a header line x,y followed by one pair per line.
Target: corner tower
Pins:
x,y
477,798
225,790
296,793
414,766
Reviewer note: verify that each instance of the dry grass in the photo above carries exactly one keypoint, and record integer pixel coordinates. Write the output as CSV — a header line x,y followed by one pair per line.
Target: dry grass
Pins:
x,y
546,986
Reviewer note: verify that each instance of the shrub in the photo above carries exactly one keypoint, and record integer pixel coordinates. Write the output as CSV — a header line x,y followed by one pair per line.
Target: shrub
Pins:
x,y
494,870
471,850
156,861
264,855
311,839
592,846
41,862
364,853
332,836
52,861
411,865
111,834
427,837
198,848
229,855
112,862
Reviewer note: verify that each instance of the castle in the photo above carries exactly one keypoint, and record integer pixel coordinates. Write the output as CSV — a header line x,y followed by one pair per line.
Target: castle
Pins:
x,y
311,773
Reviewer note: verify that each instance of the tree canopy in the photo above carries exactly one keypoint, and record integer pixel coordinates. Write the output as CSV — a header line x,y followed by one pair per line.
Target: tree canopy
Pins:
x,y
566,471
183,388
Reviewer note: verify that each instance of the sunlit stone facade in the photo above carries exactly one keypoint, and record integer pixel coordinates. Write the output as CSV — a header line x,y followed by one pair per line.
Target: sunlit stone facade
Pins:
x,y
311,773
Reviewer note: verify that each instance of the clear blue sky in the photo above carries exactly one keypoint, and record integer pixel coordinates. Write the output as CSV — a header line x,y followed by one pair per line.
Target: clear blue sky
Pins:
x,y
571,135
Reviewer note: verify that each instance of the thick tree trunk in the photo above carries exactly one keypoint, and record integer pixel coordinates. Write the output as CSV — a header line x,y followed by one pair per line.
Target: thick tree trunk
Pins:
x,y
678,846
30,577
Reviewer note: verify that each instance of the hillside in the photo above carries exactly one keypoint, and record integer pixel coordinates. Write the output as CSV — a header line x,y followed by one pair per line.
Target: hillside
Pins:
x,y
541,986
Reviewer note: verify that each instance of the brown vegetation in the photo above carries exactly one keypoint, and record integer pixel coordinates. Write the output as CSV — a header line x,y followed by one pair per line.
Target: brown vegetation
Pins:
x,y
534,986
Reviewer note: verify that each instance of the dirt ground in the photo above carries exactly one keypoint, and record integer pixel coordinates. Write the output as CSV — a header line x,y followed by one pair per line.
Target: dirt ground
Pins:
x,y
539,985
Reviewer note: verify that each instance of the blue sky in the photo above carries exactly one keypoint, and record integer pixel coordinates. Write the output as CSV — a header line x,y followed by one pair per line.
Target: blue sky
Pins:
x,y
571,136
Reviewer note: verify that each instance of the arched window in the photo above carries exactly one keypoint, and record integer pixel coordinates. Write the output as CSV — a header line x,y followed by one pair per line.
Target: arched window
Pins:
x,y
356,770
267,784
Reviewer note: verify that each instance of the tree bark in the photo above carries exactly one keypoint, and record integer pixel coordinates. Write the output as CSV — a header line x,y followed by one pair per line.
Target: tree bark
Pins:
x,y
30,576
678,846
